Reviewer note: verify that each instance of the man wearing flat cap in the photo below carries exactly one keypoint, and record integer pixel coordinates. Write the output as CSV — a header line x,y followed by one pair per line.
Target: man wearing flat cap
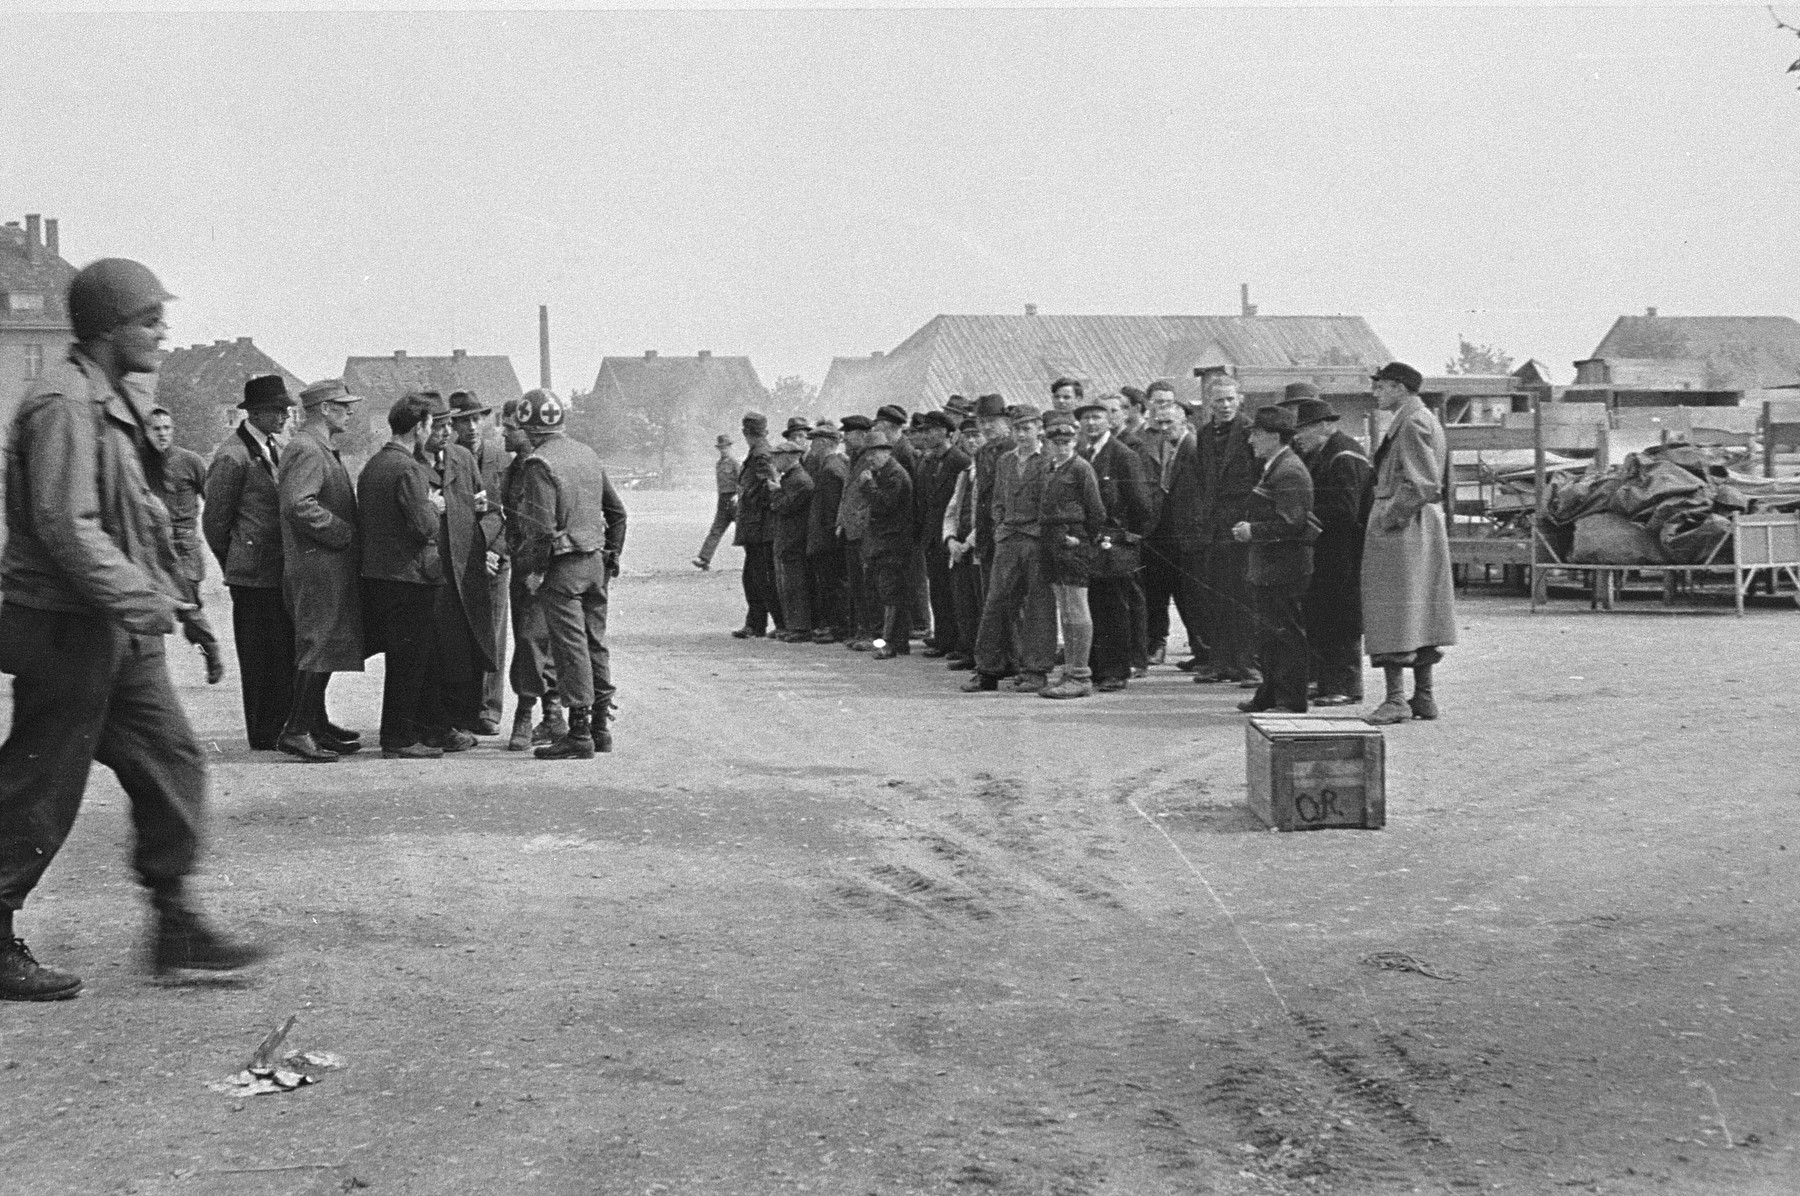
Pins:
x,y
725,478
1278,529
241,521
889,545
1341,496
1409,605
478,431
940,463
852,526
1019,589
321,555
890,429
757,483
791,509
829,470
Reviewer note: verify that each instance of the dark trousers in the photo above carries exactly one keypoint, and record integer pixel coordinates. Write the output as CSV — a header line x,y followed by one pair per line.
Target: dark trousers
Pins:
x,y
1139,614
1227,609
457,662
723,515
1337,664
405,617
265,653
493,682
574,600
761,599
1164,582
84,689
965,594
1109,606
1280,646
532,673
1019,588
865,616
796,598
825,570
944,631
921,607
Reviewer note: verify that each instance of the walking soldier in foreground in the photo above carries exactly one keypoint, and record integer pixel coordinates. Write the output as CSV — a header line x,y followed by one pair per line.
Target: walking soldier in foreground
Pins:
x,y
89,595
573,533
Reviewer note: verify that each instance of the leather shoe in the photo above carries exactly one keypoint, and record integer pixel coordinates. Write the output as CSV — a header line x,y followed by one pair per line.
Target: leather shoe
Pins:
x,y
1336,700
303,746
981,683
744,633
827,637
1111,685
1190,664
701,565
487,726
333,731
342,747
23,978
885,652
1389,713
184,940
1028,683
1423,707
959,664
933,652
413,751
861,645
457,740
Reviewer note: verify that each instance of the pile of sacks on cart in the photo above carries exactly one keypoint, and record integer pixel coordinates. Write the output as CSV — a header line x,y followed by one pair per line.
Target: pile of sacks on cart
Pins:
x,y
1671,504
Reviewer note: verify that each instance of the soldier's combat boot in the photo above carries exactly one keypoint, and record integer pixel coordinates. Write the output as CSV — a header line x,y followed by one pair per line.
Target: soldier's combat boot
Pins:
x,y
520,739
552,728
577,743
602,731
23,978
183,940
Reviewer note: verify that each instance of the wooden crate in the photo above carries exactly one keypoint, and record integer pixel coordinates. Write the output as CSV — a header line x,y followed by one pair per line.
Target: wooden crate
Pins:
x,y
1308,773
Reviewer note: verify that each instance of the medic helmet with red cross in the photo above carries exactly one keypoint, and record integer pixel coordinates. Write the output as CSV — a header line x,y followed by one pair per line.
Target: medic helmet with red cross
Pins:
x,y
541,411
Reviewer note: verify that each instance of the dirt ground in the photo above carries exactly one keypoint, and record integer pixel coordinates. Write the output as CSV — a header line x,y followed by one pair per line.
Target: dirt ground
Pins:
x,y
824,924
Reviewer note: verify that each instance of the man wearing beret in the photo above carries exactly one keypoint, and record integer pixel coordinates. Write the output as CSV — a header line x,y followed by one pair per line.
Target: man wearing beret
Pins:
x,y
1409,605
940,465
241,521
1278,528
791,508
1341,496
829,470
1019,588
1229,469
757,483
321,555
725,478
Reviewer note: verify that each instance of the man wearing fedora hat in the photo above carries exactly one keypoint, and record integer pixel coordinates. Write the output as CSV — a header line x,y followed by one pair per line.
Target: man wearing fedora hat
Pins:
x,y
756,485
725,479
241,521
321,557
465,644
1409,604
798,432
477,431
1278,528
1333,606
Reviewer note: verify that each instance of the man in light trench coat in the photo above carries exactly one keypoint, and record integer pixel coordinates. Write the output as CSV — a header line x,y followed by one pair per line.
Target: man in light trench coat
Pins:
x,y
1409,606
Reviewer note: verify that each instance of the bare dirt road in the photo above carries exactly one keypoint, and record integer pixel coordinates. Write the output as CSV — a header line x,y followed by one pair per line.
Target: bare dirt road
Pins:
x,y
825,924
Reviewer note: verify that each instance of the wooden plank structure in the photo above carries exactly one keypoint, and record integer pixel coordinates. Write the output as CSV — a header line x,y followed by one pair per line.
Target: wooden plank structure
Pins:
x,y
1306,773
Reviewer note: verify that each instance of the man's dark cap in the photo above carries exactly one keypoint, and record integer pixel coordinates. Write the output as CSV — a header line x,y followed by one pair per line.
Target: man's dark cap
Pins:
x,y
1024,413
894,414
1088,405
1274,419
1300,390
856,423
798,423
988,406
266,392
1399,371
464,402
937,419
756,423
825,430
969,425
1310,411
1058,423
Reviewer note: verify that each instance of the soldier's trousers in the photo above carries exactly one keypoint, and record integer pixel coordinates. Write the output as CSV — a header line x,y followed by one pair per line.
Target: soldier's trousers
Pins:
x,y
796,600
265,652
1019,588
826,572
573,599
532,672
84,689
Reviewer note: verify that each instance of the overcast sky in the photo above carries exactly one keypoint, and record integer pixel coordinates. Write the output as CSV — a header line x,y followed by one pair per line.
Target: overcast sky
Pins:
x,y
798,185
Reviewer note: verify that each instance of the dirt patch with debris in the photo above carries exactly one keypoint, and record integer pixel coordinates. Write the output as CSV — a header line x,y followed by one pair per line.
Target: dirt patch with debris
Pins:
x,y
826,924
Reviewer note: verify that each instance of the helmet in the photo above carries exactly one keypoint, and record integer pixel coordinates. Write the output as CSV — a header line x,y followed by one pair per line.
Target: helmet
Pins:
x,y
109,292
541,411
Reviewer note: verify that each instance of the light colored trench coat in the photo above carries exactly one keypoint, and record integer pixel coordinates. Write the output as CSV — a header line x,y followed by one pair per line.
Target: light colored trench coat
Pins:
x,y
1408,599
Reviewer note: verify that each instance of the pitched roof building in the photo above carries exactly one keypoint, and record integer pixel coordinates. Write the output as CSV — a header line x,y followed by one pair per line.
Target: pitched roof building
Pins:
x,y
202,385
667,406
381,380
1699,353
1019,356
34,323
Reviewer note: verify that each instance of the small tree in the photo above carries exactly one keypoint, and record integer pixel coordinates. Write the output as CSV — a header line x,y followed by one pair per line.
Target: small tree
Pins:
x,y
792,396
1472,358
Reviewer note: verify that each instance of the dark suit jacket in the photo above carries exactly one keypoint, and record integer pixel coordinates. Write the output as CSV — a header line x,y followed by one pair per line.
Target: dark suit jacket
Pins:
x,y
1343,489
400,526
464,550
491,460
934,483
829,473
242,516
791,509
1120,472
754,526
1181,524
889,492
1230,469
1280,535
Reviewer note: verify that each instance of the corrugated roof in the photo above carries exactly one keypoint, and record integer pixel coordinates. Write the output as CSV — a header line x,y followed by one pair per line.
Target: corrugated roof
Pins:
x,y
1740,352
1019,356
202,384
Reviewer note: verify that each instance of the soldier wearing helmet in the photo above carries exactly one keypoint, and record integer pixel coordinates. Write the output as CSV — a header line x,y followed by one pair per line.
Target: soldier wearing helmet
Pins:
x,y
88,574
531,674
573,530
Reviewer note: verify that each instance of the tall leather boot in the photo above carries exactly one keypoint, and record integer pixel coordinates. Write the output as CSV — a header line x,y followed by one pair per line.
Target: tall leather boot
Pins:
x,y
1393,708
577,744
182,939
602,729
296,737
520,739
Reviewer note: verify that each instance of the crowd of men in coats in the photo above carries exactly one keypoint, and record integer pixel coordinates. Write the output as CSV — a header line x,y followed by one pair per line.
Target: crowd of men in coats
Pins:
x,y
997,532
463,515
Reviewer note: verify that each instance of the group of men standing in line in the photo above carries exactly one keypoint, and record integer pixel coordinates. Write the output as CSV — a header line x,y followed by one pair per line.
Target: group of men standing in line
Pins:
x,y
456,519
994,532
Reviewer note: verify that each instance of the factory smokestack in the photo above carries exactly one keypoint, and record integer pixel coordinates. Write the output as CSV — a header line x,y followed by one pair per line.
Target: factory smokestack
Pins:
x,y
544,346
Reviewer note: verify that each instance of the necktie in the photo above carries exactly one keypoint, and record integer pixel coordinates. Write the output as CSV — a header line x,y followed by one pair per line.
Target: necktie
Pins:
x,y
274,457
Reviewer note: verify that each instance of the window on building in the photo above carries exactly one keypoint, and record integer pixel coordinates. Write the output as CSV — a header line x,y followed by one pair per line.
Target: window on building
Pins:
x,y
24,301
34,361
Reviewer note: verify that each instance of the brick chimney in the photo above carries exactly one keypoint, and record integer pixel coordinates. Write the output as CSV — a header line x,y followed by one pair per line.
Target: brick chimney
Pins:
x,y
52,242
34,250
1245,306
705,354
649,354
875,354
458,354
1650,312
1031,309
399,354
244,341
